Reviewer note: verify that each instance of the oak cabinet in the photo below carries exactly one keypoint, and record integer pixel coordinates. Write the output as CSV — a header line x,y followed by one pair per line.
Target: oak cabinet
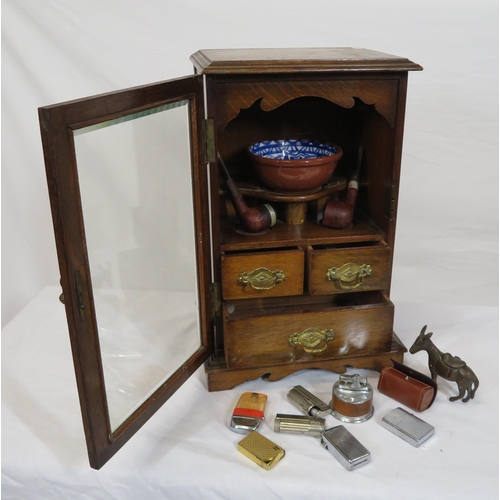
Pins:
x,y
157,275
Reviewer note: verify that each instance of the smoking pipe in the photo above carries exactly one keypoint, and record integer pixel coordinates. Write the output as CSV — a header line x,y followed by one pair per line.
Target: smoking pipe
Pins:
x,y
339,214
253,219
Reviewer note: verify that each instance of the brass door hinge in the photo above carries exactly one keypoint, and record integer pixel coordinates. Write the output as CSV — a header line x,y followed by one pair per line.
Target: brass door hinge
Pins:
x,y
80,295
209,133
216,299
391,201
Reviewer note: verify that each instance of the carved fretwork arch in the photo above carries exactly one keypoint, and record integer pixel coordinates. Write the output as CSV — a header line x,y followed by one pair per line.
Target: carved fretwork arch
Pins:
x,y
240,96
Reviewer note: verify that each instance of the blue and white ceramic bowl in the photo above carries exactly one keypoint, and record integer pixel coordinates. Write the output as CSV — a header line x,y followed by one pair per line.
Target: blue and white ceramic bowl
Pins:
x,y
294,165
293,149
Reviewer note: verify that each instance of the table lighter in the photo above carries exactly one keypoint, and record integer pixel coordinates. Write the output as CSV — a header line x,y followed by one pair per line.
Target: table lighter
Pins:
x,y
308,403
407,426
345,447
352,397
249,412
299,424
261,450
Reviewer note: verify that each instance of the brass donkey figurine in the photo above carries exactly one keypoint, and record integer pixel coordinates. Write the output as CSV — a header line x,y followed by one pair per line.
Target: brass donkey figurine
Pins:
x,y
447,366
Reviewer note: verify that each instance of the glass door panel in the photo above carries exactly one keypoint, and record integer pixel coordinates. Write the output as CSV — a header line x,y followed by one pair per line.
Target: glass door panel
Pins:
x,y
136,190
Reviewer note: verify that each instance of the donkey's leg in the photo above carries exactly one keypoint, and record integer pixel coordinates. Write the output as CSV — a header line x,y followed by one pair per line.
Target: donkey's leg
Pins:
x,y
461,393
470,393
473,386
473,391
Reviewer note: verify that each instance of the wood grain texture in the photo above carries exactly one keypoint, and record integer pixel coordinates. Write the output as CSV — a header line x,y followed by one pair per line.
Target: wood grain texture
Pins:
x,y
285,235
241,95
222,378
319,261
57,124
263,339
347,96
291,60
291,262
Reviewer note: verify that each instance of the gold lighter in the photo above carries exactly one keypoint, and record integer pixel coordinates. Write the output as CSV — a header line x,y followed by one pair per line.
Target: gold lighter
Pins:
x,y
261,450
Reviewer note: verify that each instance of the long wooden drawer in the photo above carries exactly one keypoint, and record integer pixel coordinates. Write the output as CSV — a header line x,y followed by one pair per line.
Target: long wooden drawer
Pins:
x,y
353,269
354,325
263,274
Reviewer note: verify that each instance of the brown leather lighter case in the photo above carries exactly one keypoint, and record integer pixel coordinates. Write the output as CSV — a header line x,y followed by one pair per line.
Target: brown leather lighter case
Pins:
x,y
408,386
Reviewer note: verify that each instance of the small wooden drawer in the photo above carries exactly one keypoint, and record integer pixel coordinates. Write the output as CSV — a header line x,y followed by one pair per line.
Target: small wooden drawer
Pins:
x,y
359,324
353,269
263,274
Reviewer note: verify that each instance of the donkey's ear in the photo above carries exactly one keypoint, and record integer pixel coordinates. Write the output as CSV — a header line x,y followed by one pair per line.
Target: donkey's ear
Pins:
x,y
423,331
429,335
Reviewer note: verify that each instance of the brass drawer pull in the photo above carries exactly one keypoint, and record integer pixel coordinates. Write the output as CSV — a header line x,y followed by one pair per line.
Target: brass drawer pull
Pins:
x,y
261,278
350,275
312,340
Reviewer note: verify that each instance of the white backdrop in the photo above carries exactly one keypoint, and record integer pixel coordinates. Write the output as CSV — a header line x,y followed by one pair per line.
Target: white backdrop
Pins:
x,y
446,255
448,215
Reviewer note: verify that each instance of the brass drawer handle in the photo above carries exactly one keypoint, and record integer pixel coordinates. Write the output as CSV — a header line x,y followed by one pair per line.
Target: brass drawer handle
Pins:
x,y
312,340
350,275
261,278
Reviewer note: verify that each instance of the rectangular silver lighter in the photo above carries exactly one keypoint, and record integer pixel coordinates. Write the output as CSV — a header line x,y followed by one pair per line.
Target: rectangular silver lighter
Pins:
x,y
299,424
345,447
407,426
308,403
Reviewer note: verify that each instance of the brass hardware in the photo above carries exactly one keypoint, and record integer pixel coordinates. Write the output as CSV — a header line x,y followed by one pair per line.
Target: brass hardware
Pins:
x,y
61,298
312,340
216,300
209,130
391,202
261,278
79,295
350,275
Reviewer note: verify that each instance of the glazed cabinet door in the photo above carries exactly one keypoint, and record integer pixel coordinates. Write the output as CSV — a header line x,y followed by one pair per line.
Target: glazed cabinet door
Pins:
x,y
129,198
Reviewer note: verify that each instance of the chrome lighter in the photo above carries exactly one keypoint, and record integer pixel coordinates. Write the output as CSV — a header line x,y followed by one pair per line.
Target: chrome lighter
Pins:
x,y
345,447
299,424
261,450
407,426
352,397
249,412
308,403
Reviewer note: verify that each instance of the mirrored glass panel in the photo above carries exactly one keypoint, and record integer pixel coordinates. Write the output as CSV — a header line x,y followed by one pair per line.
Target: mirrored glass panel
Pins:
x,y
135,182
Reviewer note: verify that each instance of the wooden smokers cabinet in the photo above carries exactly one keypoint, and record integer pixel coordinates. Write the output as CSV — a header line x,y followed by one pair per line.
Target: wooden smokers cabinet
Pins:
x,y
298,295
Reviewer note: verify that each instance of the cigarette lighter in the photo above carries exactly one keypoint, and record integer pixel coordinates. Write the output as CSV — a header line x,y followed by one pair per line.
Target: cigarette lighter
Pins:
x,y
308,403
407,426
299,424
352,399
345,447
249,412
261,450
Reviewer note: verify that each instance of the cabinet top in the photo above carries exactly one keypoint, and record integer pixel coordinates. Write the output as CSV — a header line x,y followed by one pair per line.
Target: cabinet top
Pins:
x,y
238,61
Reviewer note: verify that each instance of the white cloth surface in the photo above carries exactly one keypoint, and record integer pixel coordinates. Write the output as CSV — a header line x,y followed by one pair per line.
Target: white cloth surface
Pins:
x,y
445,262
188,451
447,230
